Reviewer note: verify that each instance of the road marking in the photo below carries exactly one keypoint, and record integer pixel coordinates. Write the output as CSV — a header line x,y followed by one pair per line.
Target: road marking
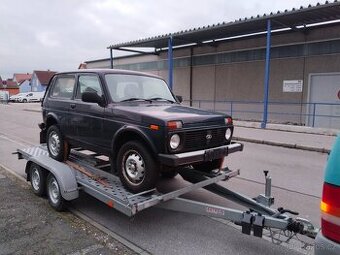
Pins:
x,y
22,143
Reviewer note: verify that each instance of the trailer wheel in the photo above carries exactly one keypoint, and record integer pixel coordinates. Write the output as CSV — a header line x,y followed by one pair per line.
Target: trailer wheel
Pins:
x,y
136,167
207,167
58,149
38,179
53,193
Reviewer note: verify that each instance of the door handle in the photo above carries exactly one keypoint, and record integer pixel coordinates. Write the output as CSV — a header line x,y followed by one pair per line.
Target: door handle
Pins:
x,y
73,106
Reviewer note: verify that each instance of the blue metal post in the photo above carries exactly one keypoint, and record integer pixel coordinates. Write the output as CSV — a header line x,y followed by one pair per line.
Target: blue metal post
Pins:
x,y
170,62
111,58
266,77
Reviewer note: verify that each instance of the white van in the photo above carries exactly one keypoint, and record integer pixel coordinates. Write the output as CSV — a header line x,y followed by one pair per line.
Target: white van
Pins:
x,y
31,97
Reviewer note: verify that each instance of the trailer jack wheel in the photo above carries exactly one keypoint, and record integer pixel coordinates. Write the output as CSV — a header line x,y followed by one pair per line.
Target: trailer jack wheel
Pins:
x,y
53,193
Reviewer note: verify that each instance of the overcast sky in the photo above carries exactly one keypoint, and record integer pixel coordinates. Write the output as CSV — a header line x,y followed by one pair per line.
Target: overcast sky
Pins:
x,y
60,34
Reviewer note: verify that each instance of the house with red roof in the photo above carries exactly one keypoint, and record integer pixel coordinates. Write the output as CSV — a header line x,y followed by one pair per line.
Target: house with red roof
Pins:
x,y
40,80
20,77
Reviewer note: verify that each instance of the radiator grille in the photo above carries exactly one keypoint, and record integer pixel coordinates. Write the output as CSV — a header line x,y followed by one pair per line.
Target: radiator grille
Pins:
x,y
202,139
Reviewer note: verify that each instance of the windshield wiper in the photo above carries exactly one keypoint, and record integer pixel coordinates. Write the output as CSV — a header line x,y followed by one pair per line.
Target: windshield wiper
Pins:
x,y
160,98
135,99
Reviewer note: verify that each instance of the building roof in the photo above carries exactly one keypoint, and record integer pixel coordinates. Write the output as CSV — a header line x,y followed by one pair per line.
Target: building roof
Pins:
x,y
44,76
20,77
294,19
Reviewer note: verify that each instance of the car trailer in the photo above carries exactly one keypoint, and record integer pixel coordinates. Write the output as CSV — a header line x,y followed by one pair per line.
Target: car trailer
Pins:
x,y
62,182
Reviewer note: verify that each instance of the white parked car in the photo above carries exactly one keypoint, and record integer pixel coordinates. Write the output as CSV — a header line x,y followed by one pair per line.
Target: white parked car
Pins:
x,y
16,97
31,97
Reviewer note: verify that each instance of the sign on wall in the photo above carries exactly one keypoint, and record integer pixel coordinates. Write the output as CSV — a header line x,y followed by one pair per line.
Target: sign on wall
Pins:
x,y
292,85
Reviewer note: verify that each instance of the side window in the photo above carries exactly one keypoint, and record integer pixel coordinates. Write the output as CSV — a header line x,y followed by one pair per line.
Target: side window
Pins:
x,y
63,87
30,94
88,83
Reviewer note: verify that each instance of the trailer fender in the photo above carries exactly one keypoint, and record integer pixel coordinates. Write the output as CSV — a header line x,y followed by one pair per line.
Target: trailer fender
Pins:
x,y
64,174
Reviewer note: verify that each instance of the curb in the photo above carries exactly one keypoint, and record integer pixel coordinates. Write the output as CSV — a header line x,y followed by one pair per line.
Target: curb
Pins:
x,y
82,216
291,129
284,145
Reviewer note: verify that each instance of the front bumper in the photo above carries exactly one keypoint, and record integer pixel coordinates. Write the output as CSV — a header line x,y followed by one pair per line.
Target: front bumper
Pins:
x,y
324,246
187,158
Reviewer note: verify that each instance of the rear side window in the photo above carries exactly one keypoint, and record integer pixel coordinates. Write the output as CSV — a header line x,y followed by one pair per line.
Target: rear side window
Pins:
x,y
88,83
63,87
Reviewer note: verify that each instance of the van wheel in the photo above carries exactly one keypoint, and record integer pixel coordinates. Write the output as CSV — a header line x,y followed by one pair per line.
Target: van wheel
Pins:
x,y
58,149
53,193
38,179
136,167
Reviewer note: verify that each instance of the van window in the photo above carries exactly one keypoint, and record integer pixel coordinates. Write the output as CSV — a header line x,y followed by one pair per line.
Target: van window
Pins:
x,y
63,87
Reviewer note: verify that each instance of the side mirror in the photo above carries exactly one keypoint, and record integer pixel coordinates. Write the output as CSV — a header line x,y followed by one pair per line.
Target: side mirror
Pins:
x,y
179,98
92,97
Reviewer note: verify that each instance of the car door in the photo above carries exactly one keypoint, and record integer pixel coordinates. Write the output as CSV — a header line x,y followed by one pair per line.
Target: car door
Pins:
x,y
87,118
60,99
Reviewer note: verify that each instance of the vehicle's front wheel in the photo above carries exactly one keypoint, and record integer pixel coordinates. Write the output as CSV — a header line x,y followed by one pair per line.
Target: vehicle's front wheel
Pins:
x,y
58,149
24,100
208,166
136,167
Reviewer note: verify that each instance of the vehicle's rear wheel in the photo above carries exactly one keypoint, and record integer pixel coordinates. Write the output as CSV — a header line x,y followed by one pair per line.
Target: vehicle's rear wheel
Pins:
x,y
38,179
58,149
53,193
136,167
208,166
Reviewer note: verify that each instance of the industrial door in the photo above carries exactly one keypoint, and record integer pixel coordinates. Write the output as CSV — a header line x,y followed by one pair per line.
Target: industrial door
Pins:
x,y
324,99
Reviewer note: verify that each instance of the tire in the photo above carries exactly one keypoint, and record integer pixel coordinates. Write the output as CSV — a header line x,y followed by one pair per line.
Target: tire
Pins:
x,y
58,149
169,174
53,194
38,180
136,167
24,100
207,167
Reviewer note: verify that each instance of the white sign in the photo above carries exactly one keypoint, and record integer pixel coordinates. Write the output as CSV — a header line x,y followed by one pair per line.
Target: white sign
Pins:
x,y
292,85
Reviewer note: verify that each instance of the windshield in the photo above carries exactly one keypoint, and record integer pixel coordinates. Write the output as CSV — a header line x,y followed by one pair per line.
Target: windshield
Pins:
x,y
124,87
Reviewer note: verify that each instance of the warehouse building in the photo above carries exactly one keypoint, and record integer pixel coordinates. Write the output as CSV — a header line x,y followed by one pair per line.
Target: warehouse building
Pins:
x,y
282,67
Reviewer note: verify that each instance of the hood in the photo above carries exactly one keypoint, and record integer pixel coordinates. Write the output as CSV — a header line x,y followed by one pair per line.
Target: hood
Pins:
x,y
156,113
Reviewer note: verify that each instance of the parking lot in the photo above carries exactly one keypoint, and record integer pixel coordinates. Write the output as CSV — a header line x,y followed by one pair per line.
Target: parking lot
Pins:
x,y
297,183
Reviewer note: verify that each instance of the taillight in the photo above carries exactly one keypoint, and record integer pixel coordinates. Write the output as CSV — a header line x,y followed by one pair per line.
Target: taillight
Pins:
x,y
330,212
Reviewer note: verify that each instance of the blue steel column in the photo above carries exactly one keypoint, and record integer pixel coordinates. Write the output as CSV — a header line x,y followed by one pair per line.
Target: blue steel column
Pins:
x,y
111,58
170,62
266,76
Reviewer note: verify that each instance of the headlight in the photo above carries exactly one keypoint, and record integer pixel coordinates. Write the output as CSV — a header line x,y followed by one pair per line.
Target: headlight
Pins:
x,y
228,134
174,141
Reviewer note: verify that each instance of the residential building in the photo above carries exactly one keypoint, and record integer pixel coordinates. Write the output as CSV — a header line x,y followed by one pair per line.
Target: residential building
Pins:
x,y
20,77
40,80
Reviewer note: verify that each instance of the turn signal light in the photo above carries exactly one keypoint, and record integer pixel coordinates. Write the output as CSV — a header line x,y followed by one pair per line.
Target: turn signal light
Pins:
x,y
174,124
228,121
154,127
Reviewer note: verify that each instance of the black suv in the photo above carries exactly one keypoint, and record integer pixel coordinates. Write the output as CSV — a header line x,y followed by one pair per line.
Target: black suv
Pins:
x,y
134,119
